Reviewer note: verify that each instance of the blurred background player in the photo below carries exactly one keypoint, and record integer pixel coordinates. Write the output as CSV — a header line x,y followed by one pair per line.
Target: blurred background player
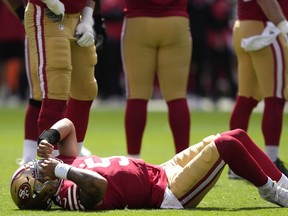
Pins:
x,y
109,67
63,91
156,43
262,73
13,81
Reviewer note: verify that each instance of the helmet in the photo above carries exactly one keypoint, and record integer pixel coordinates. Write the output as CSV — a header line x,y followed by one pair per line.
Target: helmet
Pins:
x,y
29,189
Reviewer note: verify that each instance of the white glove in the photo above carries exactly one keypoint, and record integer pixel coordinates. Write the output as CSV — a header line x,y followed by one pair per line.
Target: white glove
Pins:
x,y
84,30
283,26
55,6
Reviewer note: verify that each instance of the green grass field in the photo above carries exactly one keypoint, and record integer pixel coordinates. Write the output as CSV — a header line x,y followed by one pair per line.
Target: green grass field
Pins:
x,y
105,137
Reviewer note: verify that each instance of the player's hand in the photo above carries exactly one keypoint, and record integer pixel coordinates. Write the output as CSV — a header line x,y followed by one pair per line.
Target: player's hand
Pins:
x,y
85,35
45,149
48,166
283,26
100,30
56,7
84,30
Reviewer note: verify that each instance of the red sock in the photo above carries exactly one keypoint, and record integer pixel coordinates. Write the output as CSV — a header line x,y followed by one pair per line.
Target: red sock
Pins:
x,y
239,160
52,110
78,112
31,117
135,122
179,120
272,120
266,164
241,112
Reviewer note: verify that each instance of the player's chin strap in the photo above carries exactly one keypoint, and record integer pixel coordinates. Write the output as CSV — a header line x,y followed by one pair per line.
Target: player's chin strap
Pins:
x,y
36,166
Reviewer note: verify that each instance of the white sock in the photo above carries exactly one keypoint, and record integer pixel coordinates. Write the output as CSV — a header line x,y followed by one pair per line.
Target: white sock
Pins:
x,y
283,182
80,145
272,152
29,151
266,187
82,151
137,156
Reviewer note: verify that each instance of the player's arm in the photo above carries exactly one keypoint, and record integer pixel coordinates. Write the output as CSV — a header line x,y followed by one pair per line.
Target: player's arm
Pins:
x,y
63,134
274,13
92,185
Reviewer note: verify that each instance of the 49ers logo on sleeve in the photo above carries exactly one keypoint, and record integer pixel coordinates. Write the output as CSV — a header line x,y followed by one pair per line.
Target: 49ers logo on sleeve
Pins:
x,y
24,193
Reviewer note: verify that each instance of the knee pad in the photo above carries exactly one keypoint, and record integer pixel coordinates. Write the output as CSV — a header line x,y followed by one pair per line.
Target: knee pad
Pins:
x,y
210,138
58,68
83,83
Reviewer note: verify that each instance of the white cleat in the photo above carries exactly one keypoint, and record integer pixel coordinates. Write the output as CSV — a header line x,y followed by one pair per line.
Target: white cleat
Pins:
x,y
276,195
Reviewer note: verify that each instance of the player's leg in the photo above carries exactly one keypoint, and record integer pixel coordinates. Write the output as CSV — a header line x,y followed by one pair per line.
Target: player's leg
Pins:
x,y
193,172
54,63
260,157
138,49
174,57
33,107
236,155
191,183
248,88
83,90
271,67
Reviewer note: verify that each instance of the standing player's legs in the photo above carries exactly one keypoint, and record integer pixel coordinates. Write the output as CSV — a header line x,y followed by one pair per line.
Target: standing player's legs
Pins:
x,y
270,65
248,87
138,49
52,48
173,57
83,89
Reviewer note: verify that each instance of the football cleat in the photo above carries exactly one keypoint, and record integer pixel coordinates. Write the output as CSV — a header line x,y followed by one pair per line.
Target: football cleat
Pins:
x,y
276,195
281,167
232,175
29,189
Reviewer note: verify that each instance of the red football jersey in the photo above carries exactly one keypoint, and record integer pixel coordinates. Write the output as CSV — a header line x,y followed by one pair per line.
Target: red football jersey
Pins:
x,y
132,183
70,6
156,8
250,10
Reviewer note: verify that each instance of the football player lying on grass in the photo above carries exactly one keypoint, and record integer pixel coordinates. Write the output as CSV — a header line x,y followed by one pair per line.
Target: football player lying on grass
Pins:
x,y
118,182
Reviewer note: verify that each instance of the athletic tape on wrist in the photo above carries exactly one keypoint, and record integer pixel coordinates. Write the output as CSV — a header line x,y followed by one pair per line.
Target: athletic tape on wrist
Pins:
x,y
61,170
52,136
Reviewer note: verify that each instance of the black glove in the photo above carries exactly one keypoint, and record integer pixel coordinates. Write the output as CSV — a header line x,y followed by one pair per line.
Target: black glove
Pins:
x,y
55,18
100,30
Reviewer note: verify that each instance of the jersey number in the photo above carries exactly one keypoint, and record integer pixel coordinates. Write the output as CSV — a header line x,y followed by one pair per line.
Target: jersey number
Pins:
x,y
106,162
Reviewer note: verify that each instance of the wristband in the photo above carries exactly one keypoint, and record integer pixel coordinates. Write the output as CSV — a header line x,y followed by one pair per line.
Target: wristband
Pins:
x,y
51,135
61,170
283,26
